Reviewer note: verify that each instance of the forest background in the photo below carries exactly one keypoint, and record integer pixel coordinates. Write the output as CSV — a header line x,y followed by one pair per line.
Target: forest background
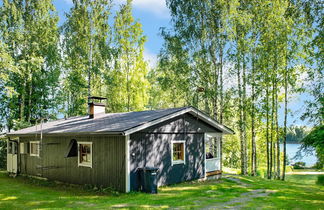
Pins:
x,y
240,61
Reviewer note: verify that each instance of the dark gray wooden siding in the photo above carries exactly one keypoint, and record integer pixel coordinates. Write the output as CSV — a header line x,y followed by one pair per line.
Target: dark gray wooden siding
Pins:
x,y
152,147
183,123
108,165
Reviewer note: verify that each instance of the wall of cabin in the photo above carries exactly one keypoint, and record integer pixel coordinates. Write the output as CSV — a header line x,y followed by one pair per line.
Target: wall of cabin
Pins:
x,y
152,147
108,164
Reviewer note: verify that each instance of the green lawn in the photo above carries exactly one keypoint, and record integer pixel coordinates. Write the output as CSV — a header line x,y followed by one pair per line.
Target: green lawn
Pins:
x,y
303,179
245,192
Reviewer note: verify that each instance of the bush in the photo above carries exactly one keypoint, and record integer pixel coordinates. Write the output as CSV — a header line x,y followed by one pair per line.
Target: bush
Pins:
x,y
3,153
320,180
318,165
299,165
262,172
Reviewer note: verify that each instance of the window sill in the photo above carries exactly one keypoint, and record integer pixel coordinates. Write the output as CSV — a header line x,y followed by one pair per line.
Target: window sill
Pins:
x,y
177,162
217,158
85,165
33,155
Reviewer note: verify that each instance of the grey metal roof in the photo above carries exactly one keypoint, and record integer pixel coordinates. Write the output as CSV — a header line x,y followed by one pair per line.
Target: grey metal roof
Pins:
x,y
104,123
111,123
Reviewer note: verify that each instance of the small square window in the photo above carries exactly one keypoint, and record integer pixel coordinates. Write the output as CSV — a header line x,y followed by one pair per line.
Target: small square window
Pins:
x,y
85,154
34,148
178,152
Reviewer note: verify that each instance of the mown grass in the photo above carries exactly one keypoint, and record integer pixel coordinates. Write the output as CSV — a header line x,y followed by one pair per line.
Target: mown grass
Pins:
x,y
26,193
303,179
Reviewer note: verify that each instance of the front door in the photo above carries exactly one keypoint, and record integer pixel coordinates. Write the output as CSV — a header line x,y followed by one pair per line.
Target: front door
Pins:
x,y
12,157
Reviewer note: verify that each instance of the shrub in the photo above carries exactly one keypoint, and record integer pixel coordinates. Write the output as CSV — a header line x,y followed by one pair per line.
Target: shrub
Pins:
x,y
320,180
262,172
3,153
299,165
318,165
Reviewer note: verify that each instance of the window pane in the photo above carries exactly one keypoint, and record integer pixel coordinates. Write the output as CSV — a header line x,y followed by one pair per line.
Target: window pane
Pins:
x,y
178,151
34,148
85,153
212,148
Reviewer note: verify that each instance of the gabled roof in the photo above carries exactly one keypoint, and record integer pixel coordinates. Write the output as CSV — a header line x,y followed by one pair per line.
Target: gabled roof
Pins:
x,y
116,123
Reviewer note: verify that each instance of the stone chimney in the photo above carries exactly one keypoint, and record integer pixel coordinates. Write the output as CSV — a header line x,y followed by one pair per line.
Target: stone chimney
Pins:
x,y
96,107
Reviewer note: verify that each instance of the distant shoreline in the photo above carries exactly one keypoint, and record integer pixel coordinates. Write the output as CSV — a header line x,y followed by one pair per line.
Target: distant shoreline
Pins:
x,y
292,143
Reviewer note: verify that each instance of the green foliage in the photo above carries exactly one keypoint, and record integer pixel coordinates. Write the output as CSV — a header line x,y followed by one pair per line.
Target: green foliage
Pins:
x,y
3,153
315,139
314,17
231,157
127,84
87,51
262,172
236,60
320,180
299,165
30,32
172,78
229,48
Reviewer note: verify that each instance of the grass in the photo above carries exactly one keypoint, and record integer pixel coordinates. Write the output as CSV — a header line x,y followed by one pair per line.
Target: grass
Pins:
x,y
303,179
26,193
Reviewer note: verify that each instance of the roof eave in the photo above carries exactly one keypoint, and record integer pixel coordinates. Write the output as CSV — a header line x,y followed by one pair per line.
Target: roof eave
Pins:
x,y
191,110
65,134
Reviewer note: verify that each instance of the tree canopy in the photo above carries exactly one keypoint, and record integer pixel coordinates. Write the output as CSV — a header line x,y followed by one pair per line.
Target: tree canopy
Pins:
x,y
239,61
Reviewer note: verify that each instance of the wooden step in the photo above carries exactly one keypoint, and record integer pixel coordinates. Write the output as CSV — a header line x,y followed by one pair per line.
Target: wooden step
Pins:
x,y
212,173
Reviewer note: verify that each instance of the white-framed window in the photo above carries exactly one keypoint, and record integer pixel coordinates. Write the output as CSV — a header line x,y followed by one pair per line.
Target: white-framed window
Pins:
x,y
178,152
85,154
34,148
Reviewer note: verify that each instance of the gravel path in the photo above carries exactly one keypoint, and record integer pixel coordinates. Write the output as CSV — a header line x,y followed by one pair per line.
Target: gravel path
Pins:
x,y
241,201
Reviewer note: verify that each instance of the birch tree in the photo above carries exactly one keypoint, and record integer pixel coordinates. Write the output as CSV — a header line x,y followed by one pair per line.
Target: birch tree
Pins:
x,y
129,85
87,53
29,29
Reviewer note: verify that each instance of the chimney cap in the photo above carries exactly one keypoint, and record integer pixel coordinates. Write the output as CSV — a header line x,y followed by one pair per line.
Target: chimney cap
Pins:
x,y
97,97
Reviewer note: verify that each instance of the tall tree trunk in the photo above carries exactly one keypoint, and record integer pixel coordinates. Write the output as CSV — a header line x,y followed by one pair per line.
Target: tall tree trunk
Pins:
x,y
244,116
216,71
128,91
243,167
221,104
22,102
253,143
277,132
272,127
285,120
267,132
30,93
90,59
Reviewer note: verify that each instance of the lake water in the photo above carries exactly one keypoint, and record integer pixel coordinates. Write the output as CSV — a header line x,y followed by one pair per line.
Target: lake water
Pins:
x,y
292,149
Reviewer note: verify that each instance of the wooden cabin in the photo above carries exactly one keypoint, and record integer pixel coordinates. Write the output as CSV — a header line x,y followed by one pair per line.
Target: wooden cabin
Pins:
x,y
106,150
